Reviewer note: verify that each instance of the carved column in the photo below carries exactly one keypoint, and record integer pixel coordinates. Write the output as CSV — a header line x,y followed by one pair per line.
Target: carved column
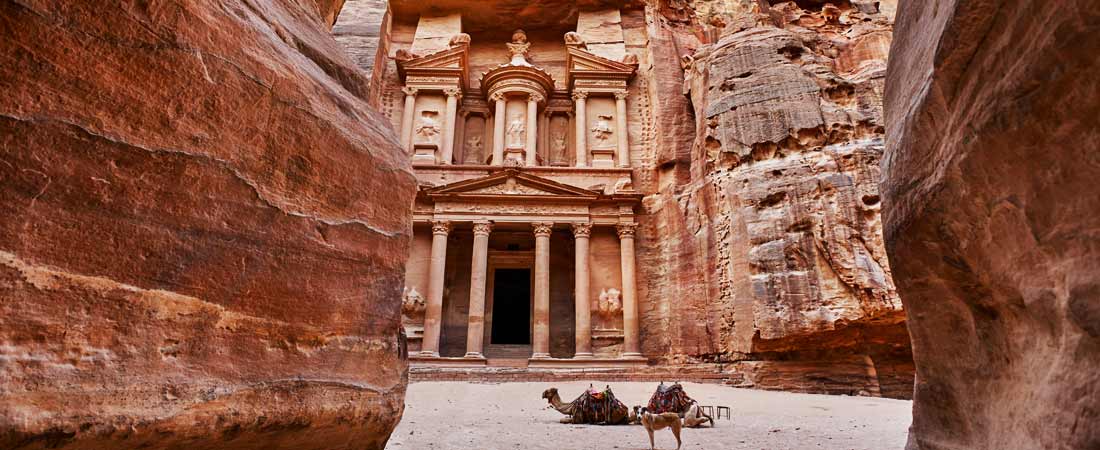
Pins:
x,y
541,341
621,130
631,349
581,232
532,128
498,128
580,103
407,118
434,313
453,94
476,325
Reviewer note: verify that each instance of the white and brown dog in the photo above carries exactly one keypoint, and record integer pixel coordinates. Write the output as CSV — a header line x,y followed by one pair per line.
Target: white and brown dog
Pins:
x,y
653,422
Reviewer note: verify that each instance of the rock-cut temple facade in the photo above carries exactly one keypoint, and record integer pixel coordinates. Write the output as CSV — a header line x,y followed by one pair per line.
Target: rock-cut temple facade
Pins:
x,y
524,224
618,184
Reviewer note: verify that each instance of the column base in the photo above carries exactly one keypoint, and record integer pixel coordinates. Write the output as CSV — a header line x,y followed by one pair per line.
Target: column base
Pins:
x,y
540,356
428,354
631,356
474,355
583,356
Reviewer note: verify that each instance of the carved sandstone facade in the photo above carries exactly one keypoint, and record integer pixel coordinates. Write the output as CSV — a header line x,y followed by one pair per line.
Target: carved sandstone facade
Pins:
x,y
668,182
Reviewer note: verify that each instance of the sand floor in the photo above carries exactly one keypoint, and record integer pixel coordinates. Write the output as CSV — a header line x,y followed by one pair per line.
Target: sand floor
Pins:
x,y
459,415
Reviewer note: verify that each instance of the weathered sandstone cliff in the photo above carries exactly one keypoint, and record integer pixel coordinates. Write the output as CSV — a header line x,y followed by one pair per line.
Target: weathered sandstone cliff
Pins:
x,y
763,244
203,230
990,208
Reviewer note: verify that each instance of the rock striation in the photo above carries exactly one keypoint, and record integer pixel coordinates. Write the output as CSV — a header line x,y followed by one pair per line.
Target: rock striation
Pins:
x,y
771,253
204,230
990,200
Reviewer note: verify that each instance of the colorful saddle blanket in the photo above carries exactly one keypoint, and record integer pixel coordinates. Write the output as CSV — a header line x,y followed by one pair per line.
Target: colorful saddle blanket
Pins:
x,y
670,398
599,407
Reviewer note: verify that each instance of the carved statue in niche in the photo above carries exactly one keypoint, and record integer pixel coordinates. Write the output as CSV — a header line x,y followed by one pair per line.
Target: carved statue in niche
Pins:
x,y
610,302
427,128
519,47
516,131
558,148
602,130
412,303
473,149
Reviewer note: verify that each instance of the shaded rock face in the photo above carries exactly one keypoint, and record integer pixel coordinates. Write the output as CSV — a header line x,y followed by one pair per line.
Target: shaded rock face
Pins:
x,y
204,230
990,211
763,242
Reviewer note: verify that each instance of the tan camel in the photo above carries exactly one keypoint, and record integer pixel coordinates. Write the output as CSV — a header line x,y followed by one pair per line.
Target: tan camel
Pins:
x,y
654,422
579,414
694,417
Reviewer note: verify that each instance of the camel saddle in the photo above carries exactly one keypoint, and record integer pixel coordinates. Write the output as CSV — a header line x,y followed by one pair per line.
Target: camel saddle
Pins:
x,y
670,398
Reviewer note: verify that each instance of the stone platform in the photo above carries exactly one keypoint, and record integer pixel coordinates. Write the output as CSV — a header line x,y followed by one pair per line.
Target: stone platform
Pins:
x,y
492,373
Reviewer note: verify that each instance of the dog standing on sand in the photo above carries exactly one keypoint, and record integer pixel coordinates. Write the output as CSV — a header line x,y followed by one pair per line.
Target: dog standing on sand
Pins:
x,y
653,422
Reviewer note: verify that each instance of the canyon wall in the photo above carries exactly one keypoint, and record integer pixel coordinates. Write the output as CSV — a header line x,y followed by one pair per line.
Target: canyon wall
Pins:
x,y
762,244
203,233
990,212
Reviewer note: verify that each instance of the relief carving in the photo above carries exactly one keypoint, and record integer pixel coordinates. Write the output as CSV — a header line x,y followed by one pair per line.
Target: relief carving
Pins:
x,y
611,303
427,128
602,131
412,304
516,131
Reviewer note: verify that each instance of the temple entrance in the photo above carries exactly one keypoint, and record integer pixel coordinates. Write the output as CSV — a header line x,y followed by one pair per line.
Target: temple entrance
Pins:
x,y
511,307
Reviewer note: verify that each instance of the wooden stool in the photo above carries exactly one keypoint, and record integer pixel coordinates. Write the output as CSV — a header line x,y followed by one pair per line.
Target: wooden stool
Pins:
x,y
708,410
726,409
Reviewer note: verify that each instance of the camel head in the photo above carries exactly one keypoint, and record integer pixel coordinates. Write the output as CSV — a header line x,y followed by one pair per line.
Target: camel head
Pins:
x,y
549,394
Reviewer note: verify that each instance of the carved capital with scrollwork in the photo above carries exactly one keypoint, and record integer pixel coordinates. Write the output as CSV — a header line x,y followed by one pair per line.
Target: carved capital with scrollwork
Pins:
x,y
410,91
542,229
620,95
483,228
582,229
441,227
536,98
626,230
580,95
498,96
452,92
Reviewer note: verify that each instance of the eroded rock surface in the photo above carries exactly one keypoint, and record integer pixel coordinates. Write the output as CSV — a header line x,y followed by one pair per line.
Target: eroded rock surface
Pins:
x,y
770,249
204,230
990,211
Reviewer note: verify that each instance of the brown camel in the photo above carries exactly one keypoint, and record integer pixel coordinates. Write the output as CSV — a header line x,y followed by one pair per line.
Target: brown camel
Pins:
x,y
591,407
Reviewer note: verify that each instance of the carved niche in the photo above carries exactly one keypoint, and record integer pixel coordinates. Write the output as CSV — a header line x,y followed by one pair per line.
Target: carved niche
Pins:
x,y
474,147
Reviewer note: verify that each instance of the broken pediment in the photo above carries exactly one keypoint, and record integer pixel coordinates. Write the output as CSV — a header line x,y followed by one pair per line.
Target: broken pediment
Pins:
x,y
452,61
584,65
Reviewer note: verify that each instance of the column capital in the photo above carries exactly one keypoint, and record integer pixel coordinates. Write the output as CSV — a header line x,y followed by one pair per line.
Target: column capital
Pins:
x,y
626,230
453,92
580,95
542,228
582,229
483,227
498,96
410,91
621,95
535,98
441,227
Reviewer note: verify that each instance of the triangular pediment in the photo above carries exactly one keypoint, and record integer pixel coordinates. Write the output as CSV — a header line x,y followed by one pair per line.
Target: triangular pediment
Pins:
x,y
512,183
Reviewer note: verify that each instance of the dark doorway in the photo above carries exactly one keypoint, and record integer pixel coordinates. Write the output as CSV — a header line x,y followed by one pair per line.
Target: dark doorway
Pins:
x,y
511,307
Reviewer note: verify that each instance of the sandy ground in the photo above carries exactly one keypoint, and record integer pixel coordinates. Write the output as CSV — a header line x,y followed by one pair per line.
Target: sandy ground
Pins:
x,y
458,415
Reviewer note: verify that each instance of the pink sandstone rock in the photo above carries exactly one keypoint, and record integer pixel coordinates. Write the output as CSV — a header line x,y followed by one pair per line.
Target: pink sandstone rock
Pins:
x,y
204,230
990,204
762,241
